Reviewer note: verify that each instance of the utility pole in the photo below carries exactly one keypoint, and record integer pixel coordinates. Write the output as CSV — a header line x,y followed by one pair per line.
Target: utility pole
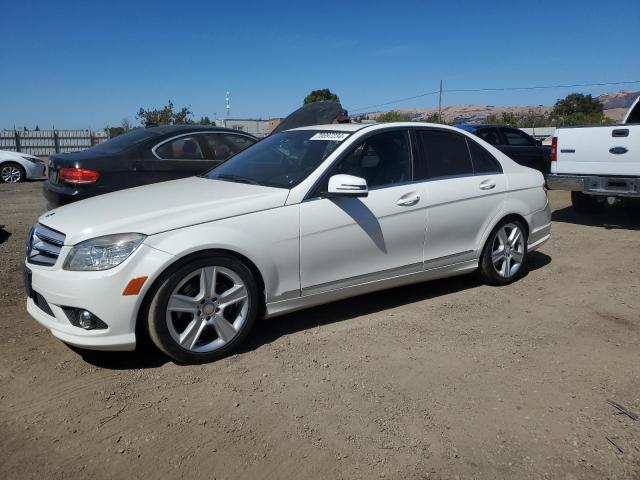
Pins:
x,y
227,98
440,104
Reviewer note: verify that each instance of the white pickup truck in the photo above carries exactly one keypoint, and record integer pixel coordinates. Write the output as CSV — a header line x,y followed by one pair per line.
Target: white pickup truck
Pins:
x,y
598,164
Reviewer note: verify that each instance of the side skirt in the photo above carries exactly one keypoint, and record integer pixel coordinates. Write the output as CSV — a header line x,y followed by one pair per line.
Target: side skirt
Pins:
x,y
285,306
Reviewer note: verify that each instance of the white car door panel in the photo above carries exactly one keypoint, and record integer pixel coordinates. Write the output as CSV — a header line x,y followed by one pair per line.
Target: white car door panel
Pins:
x,y
459,210
347,241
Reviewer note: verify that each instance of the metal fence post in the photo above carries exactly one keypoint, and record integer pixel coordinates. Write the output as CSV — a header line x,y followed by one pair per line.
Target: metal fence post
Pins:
x,y
56,141
17,140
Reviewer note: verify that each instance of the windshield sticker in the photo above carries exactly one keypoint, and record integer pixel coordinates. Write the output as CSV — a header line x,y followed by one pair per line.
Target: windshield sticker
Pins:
x,y
330,136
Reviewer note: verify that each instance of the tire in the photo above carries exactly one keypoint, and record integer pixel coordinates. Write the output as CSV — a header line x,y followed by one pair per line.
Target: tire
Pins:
x,y
586,203
11,172
504,259
192,322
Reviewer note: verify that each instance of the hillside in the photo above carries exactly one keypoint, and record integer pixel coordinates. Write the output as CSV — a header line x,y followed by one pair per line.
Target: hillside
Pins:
x,y
615,106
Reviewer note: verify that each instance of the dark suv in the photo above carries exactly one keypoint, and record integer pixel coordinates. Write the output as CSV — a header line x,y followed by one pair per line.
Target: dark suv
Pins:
x,y
140,157
516,144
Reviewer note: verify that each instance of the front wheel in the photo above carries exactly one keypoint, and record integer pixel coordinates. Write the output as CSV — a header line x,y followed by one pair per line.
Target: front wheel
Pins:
x,y
11,172
504,255
204,309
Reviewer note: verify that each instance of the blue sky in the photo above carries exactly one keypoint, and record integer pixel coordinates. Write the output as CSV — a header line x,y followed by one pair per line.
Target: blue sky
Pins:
x,y
90,64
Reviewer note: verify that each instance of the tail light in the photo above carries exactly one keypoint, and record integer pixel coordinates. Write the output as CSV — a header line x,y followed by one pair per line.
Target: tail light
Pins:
x,y
554,149
78,175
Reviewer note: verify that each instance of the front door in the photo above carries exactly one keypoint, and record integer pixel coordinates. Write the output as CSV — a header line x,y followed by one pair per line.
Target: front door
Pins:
x,y
348,241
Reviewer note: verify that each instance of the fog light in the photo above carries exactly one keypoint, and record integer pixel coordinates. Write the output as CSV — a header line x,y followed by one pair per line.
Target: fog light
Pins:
x,y
84,319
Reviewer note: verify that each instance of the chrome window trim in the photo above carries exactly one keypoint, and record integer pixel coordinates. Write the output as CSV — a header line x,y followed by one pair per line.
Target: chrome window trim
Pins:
x,y
192,134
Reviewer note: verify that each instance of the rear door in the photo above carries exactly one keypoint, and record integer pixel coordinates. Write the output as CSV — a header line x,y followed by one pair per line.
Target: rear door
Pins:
x,y
177,157
221,146
463,193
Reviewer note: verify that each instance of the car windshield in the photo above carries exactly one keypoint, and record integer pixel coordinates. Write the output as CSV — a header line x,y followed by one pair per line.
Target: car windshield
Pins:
x,y
124,141
282,160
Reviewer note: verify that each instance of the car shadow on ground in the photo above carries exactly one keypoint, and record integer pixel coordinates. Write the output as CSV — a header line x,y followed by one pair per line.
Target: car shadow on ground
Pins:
x,y
4,235
616,217
269,330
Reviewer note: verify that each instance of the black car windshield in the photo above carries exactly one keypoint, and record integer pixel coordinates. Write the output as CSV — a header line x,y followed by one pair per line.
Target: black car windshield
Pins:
x,y
282,160
125,141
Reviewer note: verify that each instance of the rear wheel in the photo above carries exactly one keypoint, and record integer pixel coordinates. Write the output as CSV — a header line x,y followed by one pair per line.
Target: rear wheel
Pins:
x,y
504,255
586,203
204,310
11,172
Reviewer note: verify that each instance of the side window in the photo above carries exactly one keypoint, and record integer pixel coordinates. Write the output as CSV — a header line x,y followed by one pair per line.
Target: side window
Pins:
x,y
445,154
383,159
489,135
517,138
483,161
182,148
222,145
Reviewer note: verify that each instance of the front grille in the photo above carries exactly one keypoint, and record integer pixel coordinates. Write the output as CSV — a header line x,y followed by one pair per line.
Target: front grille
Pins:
x,y
44,245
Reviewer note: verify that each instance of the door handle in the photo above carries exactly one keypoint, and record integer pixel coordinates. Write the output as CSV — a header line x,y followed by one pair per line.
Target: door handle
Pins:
x,y
408,199
487,185
620,132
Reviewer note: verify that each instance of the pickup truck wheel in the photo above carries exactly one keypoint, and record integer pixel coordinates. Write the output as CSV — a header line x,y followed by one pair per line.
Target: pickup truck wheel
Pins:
x,y
204,309
504,255
586,203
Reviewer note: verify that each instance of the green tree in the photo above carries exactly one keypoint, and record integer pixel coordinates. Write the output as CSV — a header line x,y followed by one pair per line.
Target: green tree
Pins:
x,y
319,95
204,121
534,119
393,116
164,115
578,109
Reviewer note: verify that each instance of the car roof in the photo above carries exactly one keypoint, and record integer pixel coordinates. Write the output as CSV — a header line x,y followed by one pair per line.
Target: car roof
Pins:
x,y
339,127
470,127
164,129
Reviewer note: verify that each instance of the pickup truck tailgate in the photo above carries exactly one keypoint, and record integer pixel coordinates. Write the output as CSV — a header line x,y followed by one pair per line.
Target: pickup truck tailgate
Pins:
x,y
606,150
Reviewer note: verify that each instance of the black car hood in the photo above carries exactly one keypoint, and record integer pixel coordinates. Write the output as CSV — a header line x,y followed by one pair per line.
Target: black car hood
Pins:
x,y
316,113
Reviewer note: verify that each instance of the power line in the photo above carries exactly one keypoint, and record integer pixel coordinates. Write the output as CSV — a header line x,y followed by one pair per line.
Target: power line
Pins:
x,y
496,89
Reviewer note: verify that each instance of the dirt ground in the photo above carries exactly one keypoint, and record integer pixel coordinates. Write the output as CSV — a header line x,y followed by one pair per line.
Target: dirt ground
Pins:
x,y
445,379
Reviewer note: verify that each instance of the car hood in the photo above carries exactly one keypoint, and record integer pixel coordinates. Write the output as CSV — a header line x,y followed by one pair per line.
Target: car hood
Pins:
x,y
160,207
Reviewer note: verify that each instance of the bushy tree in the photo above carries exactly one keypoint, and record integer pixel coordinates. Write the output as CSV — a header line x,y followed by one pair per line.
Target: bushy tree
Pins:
x,y
393,116
578,109
204,121
164,115
319,95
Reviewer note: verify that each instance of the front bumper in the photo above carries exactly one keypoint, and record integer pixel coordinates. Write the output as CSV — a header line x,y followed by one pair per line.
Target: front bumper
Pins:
x,y
596,185
98,292
35,170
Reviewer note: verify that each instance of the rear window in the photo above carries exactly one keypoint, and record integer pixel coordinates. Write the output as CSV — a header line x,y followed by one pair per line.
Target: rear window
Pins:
x,y
125,141
445,154
483,161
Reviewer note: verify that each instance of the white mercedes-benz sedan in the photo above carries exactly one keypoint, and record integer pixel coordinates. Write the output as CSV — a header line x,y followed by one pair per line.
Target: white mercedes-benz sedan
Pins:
x,y
303,217
17,167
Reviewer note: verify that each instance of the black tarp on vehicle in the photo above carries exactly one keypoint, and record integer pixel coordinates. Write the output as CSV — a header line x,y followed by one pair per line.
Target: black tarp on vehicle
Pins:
x,y
316,113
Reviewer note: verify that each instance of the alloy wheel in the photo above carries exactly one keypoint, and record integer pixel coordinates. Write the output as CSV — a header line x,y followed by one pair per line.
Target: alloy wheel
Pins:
x,y
507,250
207,309
10,174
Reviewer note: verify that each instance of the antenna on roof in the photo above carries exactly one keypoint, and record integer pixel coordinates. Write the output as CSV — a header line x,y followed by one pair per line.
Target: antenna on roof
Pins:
x,y
227,98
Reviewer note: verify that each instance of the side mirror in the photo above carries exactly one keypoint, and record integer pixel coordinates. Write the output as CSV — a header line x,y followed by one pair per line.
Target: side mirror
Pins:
x,y
347,186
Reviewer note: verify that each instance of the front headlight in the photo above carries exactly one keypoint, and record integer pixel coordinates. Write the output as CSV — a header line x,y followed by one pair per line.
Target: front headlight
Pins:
x,y
103,253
